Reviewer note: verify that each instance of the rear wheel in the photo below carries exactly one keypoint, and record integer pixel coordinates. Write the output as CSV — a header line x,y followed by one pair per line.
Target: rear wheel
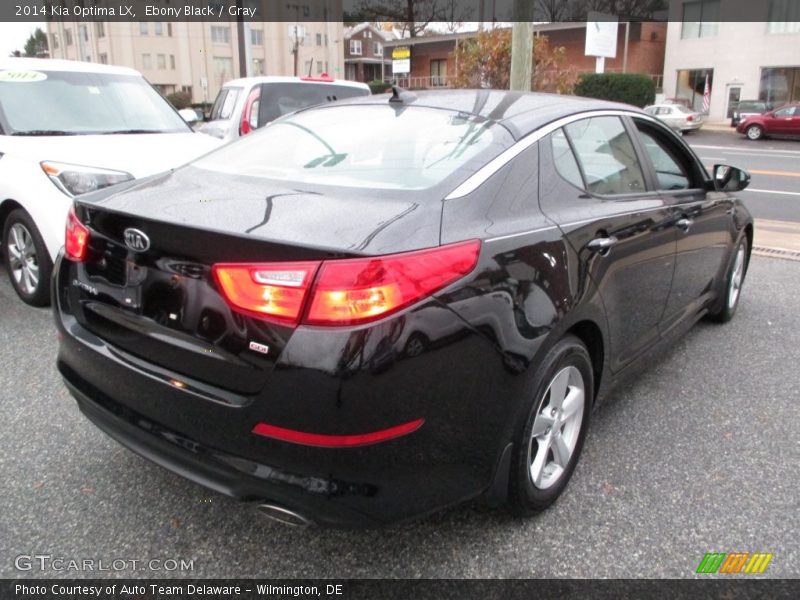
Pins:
x,y
754,132
733,284
551,440
26,259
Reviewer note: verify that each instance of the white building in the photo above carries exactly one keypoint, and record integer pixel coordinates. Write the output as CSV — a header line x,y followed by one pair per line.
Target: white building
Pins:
x,y
742,60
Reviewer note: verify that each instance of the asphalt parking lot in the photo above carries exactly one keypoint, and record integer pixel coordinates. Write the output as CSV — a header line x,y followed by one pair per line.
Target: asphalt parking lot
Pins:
x,y
699,454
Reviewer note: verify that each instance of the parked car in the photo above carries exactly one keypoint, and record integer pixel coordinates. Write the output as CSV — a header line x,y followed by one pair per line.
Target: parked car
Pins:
x,y
783,121
248,321
677,116
748,108
244,105
67,128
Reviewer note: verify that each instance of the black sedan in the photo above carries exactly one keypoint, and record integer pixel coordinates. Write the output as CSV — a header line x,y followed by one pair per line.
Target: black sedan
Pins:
x,y
380,307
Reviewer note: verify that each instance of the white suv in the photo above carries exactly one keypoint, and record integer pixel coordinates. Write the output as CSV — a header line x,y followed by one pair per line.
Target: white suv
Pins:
x,y
243,105
68,128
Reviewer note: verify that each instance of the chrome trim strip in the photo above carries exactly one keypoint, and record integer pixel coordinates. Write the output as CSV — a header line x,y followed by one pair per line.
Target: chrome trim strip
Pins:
x,y
480,176
521,233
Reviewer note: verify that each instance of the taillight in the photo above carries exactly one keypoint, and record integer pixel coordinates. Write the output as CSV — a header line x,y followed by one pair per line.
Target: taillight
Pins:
x,y
77,238
347,291
690,118
356,290
274,291
250,114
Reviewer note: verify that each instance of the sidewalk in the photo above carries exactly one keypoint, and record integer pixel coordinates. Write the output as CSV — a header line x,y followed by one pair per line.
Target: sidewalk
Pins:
x,y
780,239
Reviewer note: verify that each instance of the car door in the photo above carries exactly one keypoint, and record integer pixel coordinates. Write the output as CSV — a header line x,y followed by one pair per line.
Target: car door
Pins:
x,y
780,121
793,126
593,187
700,219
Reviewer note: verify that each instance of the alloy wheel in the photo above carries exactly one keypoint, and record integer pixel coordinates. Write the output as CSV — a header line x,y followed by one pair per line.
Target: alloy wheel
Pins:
x,y
556,428
737,276
22,258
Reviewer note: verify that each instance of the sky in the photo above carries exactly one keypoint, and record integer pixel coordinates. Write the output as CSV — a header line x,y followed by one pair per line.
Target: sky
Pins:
x,y
14,35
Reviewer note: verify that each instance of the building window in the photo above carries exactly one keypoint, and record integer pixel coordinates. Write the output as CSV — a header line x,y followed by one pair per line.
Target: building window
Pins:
x,y
161,61
221,35
784,16
692,85
439,72
223,68
307,39
355,47
700,19
68,37
319,67
158,28
100,29
257,37
780,85
54,41
258,66
377,48
326,39
144,28
172,62
83,31
169,29
103,59
319,39
147,63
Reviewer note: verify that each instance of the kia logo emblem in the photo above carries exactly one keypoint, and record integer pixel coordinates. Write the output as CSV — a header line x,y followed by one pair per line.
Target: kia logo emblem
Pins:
x,y
136,240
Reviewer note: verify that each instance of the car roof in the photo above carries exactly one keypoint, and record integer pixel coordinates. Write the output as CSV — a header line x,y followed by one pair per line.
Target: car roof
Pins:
x,y
48,64
520,112
245,81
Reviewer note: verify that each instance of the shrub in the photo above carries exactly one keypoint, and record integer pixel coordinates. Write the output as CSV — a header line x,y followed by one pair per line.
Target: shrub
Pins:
x,y
639,90
180,100
378,87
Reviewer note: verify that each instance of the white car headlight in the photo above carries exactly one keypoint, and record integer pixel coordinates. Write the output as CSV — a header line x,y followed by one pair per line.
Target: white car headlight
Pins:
x,y
74,180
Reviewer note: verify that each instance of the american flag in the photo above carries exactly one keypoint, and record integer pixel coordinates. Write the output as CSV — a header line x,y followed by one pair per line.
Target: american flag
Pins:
x,y
706,96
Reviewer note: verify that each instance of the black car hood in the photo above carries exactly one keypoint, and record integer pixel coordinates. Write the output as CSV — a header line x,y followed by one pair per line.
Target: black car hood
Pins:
x,y
344,219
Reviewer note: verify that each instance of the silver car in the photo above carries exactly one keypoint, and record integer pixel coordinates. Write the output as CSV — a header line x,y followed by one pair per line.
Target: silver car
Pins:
x,y
677,116
243,105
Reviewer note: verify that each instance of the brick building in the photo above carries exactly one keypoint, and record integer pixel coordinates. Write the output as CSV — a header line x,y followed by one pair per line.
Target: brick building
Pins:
x,y
364,58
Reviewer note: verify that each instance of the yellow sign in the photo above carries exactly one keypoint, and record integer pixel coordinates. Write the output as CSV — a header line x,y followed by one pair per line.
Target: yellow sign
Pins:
x,y
401,52
22,76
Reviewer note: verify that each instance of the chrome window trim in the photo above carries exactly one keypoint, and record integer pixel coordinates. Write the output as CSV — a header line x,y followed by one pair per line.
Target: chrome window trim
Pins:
x,y
479,177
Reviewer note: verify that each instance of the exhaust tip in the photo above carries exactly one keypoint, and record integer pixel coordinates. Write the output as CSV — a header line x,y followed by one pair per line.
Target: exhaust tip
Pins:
x,y
283,515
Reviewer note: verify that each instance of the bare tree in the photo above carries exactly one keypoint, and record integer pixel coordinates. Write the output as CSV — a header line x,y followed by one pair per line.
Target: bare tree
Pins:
x,y
413,15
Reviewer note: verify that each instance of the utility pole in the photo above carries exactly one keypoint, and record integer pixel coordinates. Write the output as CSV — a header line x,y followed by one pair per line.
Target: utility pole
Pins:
x,y
296,41
240,33
522,46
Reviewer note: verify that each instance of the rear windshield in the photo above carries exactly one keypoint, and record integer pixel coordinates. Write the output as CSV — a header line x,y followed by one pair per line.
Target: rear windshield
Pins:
x,y
69,103
280,99
754,106
368,146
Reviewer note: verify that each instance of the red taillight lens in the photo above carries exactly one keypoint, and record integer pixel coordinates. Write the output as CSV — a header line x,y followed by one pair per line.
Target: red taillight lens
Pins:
x,y
274,291
690,118
249,121
77,238
345,292
363,289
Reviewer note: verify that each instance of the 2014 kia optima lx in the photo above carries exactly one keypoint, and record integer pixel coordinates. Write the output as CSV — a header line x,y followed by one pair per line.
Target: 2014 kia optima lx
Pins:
x,y
383,306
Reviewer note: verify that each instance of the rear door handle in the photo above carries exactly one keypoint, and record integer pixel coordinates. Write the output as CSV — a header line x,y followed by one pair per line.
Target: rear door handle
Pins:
x,y
684,224
602,244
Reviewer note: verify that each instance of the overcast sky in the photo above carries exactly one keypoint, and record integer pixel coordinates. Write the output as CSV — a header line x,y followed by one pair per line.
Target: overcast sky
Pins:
x,y
13,35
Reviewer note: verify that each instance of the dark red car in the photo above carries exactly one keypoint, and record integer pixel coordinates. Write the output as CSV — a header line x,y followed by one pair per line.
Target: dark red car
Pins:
x,y
781,121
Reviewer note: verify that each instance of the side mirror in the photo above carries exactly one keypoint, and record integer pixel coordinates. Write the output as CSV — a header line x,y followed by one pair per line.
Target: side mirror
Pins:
x,y
189,115
730,179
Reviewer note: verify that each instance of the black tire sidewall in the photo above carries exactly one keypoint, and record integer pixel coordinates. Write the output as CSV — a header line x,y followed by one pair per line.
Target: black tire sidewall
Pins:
x,y
41,297
525,497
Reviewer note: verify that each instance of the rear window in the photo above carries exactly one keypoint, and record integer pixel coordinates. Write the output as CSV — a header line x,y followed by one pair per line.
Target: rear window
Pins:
x,y
752,106
278,99
403,148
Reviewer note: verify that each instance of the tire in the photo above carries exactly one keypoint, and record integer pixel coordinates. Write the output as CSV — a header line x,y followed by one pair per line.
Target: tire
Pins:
x,y
26,259
734,279
543,463
754,132
417,344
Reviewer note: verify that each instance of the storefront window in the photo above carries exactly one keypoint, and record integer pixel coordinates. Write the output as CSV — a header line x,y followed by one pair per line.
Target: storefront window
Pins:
x,y
780,85
691,86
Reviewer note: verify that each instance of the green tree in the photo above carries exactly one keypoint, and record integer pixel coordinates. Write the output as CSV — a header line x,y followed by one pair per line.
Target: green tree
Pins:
x,y
36,45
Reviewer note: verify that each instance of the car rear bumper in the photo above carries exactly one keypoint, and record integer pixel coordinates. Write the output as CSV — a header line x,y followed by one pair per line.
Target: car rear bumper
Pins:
x,y
451,458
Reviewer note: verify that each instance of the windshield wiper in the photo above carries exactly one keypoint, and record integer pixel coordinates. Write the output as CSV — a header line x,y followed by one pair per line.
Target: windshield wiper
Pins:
x,y
45,132
131,131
